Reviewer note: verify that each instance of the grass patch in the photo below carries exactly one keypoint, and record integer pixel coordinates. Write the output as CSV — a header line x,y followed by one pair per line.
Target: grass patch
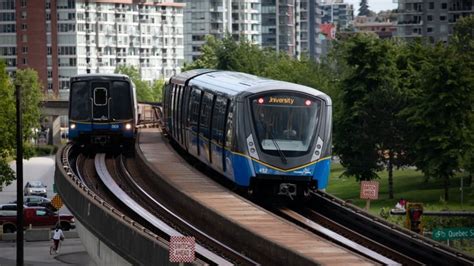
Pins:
x,y
411,185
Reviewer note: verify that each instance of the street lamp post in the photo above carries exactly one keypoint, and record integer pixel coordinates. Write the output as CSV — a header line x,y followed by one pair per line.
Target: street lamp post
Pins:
x,y
19,179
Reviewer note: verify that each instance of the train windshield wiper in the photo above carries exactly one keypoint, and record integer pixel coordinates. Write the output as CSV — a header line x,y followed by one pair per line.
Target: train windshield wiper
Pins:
x,y
280,152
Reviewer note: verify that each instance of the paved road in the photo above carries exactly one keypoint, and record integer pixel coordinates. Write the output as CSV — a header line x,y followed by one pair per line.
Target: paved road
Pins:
x,y
37,253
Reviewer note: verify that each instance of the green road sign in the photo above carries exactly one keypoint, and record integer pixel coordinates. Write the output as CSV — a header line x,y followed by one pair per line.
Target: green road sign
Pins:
x,y
453,233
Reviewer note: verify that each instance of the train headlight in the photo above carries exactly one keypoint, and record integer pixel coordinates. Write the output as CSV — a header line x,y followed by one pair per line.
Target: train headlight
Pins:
x,y
128,126
251,147
72,126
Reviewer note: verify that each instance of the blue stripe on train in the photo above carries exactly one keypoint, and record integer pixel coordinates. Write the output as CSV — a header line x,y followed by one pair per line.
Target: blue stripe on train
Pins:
x,y
244,168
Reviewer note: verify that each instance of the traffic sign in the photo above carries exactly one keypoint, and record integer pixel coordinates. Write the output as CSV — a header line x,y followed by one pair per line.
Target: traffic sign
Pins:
x,y
182,249
57,202
453,233
369,190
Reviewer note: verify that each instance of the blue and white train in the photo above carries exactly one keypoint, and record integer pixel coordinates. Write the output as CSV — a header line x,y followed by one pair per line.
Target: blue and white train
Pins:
x,y
102,109
264,135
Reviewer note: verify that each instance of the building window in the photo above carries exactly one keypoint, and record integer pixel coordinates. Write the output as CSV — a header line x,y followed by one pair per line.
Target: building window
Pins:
x,y
444,5
25,49
431,5
23,14
429,29
24,38
50,73
50,51
24,26
25,61
442,18
429,18
23,3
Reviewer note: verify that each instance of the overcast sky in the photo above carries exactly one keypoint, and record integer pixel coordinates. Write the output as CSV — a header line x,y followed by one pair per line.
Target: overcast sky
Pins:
x,y
374,5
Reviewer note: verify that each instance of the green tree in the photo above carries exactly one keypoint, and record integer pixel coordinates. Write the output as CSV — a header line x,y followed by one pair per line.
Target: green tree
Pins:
x,y
30,88
31,93
440,114
208,57
7,126
157,90
364,8
463,41
144,91
366,136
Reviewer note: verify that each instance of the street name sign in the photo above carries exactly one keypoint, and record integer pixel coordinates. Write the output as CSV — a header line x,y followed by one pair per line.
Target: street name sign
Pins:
x,y
453,233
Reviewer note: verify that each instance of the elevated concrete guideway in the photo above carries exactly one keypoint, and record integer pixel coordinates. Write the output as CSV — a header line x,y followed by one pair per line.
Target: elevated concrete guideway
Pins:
x,y
54,109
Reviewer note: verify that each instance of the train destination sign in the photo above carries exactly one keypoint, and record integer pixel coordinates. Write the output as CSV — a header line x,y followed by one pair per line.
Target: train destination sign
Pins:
x,y
285,100
369,190
453,233
182,249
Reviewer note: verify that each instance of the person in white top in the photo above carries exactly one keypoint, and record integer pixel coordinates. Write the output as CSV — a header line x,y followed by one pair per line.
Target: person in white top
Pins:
x,y
58,235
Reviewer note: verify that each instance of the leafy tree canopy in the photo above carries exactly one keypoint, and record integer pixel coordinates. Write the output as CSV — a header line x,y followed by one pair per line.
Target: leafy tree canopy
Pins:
x,y
364,9
30,87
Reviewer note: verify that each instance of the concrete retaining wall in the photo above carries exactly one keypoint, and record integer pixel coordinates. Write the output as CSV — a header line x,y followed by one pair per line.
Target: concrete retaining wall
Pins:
x,y
122,240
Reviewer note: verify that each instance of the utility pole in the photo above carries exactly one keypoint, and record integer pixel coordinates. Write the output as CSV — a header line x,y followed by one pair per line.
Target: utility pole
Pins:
x,y
19,180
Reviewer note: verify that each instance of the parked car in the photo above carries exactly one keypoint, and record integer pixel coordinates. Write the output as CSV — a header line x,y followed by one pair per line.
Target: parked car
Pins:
x,y
32,201
37,217
35,188
8,209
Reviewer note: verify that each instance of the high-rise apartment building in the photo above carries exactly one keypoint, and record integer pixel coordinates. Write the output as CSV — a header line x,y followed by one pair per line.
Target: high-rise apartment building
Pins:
x,y
62,38
308,23
290,26
278,25
433,19
338,13
240,18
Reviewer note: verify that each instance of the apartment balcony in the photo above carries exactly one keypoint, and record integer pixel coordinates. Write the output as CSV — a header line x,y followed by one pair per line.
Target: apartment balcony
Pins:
x,y
409,1
462,9
409,23
409,11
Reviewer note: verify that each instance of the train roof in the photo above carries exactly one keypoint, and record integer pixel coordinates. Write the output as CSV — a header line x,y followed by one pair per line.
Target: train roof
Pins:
x,y
99,76
236,83
185,76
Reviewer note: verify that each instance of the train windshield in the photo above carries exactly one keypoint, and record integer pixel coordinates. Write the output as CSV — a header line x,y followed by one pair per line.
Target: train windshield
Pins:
x,y
80,101
121,100
285,122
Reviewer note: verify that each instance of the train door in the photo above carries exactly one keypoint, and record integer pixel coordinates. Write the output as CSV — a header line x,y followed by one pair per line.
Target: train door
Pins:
x,y
184,115
100,101
178,114
204,126
217,138
193,121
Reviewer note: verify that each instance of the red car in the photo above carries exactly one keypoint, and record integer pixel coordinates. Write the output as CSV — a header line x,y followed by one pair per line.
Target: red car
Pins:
x,y
37,217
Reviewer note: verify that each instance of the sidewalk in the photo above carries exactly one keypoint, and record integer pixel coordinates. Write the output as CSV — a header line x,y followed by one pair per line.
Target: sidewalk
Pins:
x,y
37,253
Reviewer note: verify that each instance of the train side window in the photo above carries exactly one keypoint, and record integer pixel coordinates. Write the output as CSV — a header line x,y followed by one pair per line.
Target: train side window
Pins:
x,y
229,126
206,109
218,120
194,103
184,111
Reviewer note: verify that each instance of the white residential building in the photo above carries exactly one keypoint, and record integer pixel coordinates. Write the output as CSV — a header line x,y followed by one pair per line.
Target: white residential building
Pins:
x,y
63,38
